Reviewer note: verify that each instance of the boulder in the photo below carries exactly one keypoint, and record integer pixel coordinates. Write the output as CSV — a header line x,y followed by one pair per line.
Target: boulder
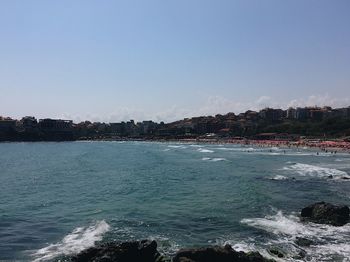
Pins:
x,y
325,213
216,253
303,242
143,251
276,252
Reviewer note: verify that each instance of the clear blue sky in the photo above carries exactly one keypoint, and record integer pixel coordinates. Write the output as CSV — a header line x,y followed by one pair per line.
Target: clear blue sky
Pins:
x,y
165,60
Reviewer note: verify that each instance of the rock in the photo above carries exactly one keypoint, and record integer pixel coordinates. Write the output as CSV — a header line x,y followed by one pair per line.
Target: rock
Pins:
x,y
300,255
325,213
143,251
219,254
330,176
146,251
276,252
345,178
303,242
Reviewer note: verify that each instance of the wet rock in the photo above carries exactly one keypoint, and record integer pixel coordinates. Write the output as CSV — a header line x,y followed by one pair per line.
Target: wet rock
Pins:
x,y
219,254
143,251
303,242
276,252
301,255
345,178
325,213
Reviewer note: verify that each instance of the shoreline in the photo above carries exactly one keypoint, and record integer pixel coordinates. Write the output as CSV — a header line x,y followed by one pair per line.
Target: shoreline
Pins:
x,y
326,146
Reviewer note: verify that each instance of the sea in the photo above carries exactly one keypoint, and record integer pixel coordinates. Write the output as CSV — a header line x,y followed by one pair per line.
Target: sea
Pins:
x,y
57,199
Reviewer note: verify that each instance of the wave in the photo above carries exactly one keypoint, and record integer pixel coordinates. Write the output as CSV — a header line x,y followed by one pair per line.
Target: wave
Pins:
x,y
278,177
165,245
215,159
195,146
229,148
316,171
203,150
177,146
79,239
328,242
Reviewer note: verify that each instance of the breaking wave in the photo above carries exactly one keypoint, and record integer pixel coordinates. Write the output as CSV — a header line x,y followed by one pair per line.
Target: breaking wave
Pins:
x,y
215,159
79,239
203,150
316,171
278,177
177,146
328,243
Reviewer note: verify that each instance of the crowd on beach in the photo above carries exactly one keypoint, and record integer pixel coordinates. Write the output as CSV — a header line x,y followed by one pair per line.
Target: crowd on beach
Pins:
x,y
325,146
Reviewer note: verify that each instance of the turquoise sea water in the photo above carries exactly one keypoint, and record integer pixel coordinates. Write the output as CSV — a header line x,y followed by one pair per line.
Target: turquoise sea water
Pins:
x,y
57,199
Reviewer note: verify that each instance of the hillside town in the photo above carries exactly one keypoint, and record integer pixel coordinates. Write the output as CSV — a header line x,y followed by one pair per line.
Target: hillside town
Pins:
x,y
267,124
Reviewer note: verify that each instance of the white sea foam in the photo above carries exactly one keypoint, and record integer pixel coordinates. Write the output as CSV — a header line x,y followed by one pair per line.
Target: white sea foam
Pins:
x,y
229,149
215,159
177,146
278,177
316,171
250,246
165,245
329,242
203,150
79,239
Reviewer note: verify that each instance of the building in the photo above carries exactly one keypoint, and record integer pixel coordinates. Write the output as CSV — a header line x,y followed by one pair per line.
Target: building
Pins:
x,y
271,114
56,129
301,113
7,125
316,114
56,125
147,127
291,113
29,123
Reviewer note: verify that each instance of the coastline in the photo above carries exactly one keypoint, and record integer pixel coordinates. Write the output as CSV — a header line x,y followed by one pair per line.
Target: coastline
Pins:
x,y
325,146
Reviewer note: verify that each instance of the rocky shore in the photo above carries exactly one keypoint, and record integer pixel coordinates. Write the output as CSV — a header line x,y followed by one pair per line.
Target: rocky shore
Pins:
x,y
146,250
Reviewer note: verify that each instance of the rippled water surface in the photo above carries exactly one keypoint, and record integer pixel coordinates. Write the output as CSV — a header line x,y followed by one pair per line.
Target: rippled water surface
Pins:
x,y
57,199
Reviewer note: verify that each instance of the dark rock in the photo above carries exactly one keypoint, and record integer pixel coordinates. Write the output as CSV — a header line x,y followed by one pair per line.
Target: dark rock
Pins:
x,y
276,252
345,178
325,213
146,251
143,251
219,254
301,255
330,176
303,242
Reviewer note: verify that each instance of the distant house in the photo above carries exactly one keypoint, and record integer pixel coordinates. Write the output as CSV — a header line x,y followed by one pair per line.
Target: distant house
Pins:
x,y
271,114
56,129
7,125
301,113
55,125
29,123
291,113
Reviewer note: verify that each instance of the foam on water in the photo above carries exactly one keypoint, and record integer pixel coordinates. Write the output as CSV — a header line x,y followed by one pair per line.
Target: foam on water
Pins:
x,y
203,150
79,239
177,146
316,171
215,159
165,245
278,177
329,243
229,149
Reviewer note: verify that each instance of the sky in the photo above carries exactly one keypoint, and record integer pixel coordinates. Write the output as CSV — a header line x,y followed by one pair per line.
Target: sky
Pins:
x,y
164,60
